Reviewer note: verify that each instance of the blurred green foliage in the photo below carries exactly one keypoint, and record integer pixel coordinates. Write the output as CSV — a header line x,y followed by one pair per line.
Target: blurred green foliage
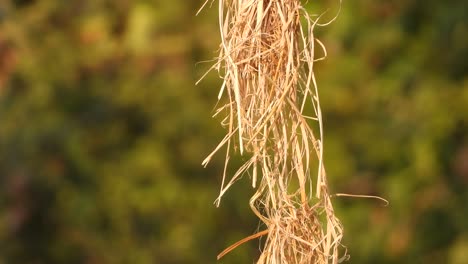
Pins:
x,y
102,132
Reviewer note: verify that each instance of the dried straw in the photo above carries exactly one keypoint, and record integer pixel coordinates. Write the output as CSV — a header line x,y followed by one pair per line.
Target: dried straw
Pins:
x,y
266,60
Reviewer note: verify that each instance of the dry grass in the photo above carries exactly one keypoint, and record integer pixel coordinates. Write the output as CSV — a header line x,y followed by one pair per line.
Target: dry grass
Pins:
x,y
266,60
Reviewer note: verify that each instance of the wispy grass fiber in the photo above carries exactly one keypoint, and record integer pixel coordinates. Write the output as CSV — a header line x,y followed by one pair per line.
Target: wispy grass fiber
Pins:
x,y
266,60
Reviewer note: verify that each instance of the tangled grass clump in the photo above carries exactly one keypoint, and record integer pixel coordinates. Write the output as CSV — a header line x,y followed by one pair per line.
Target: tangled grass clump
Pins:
x,y
266,61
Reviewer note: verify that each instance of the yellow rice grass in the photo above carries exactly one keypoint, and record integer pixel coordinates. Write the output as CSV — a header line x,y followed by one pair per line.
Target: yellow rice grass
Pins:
x,y
266,61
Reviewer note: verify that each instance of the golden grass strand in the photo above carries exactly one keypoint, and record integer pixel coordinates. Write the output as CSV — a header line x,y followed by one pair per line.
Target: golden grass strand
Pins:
x,y
266,60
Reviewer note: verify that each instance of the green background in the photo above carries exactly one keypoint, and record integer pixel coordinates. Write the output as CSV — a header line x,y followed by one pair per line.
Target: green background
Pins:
x,y
102,132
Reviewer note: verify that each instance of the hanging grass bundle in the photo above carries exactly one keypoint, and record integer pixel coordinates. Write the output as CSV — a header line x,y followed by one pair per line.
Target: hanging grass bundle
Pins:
x,y
266,61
